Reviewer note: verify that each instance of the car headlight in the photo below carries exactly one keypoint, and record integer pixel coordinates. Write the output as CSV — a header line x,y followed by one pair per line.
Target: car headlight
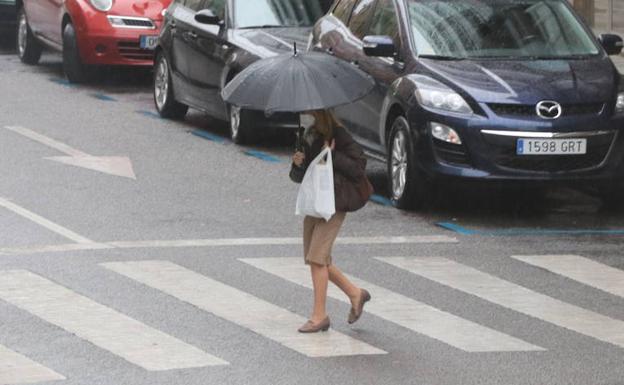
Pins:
x,y
433,94
102,5
619,103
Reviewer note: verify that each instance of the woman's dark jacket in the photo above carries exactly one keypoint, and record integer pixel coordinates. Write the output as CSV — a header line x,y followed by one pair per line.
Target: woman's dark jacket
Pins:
x,y
349,168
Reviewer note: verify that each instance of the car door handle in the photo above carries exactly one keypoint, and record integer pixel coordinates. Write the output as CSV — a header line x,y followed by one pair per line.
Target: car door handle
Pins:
x,y
355,63
190,35
330,51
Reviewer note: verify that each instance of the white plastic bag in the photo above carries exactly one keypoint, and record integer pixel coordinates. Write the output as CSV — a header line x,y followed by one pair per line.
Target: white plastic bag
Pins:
x,y
316,193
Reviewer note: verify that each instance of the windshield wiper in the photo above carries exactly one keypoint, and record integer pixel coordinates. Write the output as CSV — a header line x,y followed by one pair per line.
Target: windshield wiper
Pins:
x,y
554,57
441,57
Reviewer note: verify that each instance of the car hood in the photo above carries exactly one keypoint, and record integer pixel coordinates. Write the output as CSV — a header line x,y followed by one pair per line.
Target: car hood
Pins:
x,y
140,8
269,42
530,81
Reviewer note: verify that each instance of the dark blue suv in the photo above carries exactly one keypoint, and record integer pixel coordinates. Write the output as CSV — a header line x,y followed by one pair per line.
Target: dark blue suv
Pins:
x,y
509,90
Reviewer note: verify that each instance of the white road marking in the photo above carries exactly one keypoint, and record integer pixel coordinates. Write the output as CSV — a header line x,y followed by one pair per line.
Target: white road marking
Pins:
x,y
223,243
100,325
241,308
514,297
278,242
55,144
113,165
44,222
594,274
18,369
404,311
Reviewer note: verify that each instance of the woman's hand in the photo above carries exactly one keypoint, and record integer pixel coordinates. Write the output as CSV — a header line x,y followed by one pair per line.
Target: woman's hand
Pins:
x,y
298,158
332,145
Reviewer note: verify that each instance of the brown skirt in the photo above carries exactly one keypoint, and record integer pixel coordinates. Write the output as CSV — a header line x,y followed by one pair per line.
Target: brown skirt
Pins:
x,y
319,237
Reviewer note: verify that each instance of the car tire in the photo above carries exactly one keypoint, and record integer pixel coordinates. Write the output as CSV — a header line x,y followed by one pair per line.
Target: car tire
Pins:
x,y
242,130
28,48
74,69
164,99
409,187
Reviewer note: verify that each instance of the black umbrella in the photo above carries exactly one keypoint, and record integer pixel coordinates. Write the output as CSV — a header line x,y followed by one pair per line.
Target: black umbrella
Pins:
x,y
297,82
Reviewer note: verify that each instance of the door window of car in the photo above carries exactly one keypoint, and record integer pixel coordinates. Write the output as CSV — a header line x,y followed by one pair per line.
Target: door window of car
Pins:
x,y
194,5
361,17
385,22
271,13
217,7
343,10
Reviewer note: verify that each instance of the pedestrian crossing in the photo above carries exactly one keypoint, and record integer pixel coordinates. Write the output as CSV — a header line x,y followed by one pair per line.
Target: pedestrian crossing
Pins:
x,y
18,369
152,350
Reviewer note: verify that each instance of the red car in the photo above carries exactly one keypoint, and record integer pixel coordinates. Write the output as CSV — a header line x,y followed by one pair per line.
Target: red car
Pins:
x,y
90,32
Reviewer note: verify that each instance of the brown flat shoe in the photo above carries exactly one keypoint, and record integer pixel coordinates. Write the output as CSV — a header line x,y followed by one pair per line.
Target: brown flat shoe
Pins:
x,y
356,312
311,327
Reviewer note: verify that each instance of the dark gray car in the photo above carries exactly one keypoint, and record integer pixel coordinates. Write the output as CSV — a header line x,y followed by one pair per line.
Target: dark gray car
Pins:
x,y
205,43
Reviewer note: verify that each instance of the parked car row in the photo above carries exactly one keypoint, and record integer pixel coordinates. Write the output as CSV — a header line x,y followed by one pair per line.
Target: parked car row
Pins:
x,y
482,90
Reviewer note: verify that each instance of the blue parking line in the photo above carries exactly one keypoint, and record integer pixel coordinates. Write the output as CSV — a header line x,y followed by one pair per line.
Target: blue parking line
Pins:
x,y
381,200
104,97
149,114
262,156
209,136
520,232
62,82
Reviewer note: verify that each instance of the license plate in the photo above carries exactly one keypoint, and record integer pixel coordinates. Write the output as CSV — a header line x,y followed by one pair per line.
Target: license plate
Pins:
x,y
551,146
148,42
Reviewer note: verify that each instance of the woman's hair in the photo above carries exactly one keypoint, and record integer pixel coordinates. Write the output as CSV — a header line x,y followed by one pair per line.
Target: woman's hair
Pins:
x,y
326,123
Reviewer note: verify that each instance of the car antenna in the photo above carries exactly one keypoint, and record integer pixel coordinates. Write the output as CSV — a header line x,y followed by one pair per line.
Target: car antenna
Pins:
x,y
295,47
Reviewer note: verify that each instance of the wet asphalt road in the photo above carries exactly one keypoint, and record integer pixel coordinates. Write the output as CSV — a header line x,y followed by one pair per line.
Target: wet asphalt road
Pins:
x,y
199,201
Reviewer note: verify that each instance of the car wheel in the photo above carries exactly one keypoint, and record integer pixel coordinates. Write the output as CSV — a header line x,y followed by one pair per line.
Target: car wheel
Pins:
x,y
166,105
409,187
241,127
73,67
28,48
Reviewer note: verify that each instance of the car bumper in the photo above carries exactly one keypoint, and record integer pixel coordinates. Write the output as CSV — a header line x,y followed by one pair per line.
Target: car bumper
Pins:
x,y
488,149
102,44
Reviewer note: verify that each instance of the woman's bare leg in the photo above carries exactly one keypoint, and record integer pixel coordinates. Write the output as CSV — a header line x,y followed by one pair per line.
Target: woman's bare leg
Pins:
x,y
320,277
340,280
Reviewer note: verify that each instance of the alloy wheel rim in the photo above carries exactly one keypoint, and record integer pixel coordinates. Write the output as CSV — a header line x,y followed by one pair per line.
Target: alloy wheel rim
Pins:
x,y
399,165
234,120
161,85
22,35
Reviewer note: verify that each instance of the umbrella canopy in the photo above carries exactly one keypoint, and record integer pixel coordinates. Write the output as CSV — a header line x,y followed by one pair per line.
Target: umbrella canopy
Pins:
x,y
297,82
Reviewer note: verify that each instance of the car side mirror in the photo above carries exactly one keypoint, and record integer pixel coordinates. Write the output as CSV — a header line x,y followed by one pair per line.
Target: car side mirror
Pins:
x,y
613,44
206,16
379,46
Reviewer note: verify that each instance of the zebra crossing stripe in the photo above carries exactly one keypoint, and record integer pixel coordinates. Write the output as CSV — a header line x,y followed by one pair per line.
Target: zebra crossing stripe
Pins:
x,y
514,297
100,325
243,309
17,369
586,271
411,314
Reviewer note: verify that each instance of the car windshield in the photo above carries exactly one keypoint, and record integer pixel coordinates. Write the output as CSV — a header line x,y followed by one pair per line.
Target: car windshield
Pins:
x,y
276,13
514,29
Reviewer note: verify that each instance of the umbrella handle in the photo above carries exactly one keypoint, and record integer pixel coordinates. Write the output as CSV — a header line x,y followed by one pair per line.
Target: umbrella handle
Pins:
x,y
299,144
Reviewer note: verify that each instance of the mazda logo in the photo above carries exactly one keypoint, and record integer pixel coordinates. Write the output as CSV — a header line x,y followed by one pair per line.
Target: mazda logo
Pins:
x,y
548,109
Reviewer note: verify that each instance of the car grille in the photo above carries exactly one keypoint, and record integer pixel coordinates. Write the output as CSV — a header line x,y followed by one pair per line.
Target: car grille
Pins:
x,y
505,155
451,153
132,50
131,22
529,110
